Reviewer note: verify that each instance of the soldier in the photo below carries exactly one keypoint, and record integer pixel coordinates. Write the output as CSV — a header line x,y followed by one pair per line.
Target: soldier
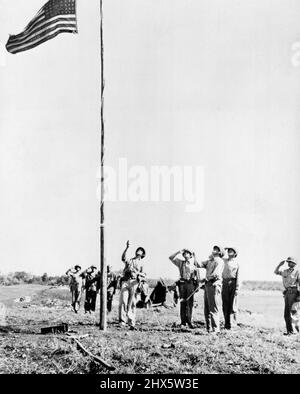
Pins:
x,y
112,282
230,287
142,295
91,278
185,261
132,275
76,284
291,283
212,291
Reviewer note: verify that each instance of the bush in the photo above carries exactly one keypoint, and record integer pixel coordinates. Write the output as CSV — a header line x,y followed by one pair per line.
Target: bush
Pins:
x,y
21,277
45,277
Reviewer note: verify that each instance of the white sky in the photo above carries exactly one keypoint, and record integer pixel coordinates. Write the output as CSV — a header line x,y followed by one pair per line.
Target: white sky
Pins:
x,y
189,82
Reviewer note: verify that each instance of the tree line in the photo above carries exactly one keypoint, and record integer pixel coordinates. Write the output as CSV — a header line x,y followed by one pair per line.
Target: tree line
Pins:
x,y
22,277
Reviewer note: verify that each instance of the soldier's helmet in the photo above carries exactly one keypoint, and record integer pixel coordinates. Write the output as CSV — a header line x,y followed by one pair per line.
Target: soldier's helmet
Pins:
x,y
234,249
291,260
221,249
140,249
187,251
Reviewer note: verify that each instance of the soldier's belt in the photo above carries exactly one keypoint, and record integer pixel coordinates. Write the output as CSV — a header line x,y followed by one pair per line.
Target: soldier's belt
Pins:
x,y
291,289
186,280
212,281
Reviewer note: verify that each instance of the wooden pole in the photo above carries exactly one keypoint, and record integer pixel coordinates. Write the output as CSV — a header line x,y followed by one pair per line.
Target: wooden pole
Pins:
x,y
103,282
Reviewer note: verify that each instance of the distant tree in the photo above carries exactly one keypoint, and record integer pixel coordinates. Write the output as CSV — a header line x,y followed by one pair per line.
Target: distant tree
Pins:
x,y
21,276
45,277
62,280
15,281
37,280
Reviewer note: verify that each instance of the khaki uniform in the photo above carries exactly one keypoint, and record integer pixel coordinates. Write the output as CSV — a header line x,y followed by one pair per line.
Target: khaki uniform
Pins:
x,y
291,283
91,291
212,292
132,273
187,285
111,289
230,287
76,284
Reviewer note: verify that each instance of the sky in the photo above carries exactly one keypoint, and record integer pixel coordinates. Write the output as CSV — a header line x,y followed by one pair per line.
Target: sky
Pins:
x,y
208,83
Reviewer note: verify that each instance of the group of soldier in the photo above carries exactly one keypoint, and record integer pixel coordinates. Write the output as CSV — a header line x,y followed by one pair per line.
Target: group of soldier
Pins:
x,y
221,284
221,281
89,281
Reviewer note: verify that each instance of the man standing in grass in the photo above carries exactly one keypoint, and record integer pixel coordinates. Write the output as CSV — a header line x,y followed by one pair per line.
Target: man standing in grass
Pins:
x,y
291,283
91,277
76,284
133,274
212,291
230,287
185,261
112,283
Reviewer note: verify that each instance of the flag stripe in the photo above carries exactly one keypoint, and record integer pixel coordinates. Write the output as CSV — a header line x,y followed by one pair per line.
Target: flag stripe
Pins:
x,y
28,30
56,16
44,26
39,38
37,16
41,23
44,39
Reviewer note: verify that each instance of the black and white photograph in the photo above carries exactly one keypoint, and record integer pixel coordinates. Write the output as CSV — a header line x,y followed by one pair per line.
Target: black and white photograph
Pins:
x,y
149,190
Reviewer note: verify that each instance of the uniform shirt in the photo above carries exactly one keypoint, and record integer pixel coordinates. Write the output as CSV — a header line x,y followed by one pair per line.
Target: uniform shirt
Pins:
x,y
187,268
290,277
76,279
214,269
231,270
111,280
91,281
133,268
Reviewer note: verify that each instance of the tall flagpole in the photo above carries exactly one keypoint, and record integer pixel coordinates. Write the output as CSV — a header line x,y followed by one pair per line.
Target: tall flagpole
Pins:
x,y
103,287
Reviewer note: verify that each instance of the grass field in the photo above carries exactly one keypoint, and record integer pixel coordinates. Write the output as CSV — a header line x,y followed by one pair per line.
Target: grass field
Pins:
x,y
9,293
158,346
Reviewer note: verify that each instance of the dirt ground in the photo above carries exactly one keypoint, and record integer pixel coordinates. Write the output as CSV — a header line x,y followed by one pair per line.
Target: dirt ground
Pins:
x,y
158,345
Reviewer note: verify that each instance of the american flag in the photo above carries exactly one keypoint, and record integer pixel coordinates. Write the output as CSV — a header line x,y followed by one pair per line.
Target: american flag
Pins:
x,y
55,17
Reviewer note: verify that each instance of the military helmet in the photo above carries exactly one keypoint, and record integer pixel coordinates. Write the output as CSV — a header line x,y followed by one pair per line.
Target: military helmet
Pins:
x,y
291,260
142,250
234,249
221,249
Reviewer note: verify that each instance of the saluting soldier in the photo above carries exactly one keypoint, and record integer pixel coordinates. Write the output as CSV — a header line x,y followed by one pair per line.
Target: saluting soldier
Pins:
x,y
133,273
212,290
230,287
291,283
112,282
76,284
91,278
185,261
